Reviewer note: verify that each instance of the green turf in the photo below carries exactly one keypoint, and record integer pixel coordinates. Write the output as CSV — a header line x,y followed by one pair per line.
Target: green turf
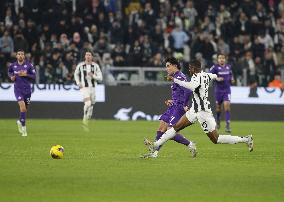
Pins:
x,y
104,165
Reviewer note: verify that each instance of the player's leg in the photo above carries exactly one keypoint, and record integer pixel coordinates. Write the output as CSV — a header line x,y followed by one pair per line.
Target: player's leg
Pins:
x,y
164,120
178,112
187,119
218,115
181,139
87,104
219,101
23,102
227,109
163,126
22,119
170,133
161,129
208,125
93,101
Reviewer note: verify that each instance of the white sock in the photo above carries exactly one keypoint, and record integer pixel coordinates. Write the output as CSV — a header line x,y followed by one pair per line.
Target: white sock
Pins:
x,y
228,139
90,112
170,133
24,128
87,105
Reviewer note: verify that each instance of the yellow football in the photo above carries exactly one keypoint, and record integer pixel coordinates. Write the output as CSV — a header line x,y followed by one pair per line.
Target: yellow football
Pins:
x,y
57,152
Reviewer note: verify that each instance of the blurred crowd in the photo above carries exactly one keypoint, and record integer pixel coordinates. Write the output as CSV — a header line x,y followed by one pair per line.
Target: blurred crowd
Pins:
x,y
54,33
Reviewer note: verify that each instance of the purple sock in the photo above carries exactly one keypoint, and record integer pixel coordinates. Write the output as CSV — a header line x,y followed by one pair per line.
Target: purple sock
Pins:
x,y
159,134
23,118
218,116
180,139
228,118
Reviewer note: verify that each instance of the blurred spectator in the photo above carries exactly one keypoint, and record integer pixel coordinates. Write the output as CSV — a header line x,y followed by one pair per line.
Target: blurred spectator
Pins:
x,y
249,66
223,47
118,55
242,24
180,38
147,51
277,82
280,57
135,54
30,32
140,33
258,48
190,14
6,44
77,40
102,46
8,18
270,63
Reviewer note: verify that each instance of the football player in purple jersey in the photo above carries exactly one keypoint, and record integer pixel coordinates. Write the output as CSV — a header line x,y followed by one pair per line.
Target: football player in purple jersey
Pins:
x,y
177,106
223,89
22,73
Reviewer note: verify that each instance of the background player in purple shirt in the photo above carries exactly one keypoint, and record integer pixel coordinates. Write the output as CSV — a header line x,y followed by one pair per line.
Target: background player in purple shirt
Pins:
x,y
177,106
223,89
22,73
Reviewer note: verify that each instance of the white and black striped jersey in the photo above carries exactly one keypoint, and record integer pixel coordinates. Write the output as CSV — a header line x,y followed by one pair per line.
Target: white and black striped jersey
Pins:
x,y
82,76
199,84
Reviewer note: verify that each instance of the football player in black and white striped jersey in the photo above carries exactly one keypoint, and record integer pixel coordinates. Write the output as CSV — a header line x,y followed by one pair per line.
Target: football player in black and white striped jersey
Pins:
x,y
86,75
200,111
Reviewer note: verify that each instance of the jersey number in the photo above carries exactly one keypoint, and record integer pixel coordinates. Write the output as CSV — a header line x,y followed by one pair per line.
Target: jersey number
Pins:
x,y
204,126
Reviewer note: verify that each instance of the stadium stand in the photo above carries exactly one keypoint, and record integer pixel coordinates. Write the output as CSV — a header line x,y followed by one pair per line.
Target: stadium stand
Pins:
x,y
141,33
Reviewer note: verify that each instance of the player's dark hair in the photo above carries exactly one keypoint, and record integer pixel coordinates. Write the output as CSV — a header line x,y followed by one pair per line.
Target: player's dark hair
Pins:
x,y
20,50
173,61
88,51
221,54
195,64
218,54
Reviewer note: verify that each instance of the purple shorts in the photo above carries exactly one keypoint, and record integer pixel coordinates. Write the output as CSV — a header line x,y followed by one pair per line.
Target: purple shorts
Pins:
x,y
21,96
222,96
173,115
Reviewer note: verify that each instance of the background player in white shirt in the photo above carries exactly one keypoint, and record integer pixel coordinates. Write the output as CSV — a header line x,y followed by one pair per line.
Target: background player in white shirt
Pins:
x,y
86,75
200,111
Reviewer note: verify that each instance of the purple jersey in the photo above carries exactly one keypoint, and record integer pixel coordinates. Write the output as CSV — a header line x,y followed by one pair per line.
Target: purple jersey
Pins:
x,y
22,83
180,95
224,72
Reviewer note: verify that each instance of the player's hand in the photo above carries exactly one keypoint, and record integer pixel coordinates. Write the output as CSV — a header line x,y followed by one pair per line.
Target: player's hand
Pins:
x,y
169,78
169,102
186,108
13,78
90,74
23,73
220,79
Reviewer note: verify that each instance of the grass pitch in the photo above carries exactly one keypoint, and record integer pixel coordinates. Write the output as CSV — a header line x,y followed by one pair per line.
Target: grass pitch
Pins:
x,y
104,165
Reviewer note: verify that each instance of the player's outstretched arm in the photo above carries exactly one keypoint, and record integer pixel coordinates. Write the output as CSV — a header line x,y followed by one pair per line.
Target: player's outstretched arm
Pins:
x,y
215,77
194,83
